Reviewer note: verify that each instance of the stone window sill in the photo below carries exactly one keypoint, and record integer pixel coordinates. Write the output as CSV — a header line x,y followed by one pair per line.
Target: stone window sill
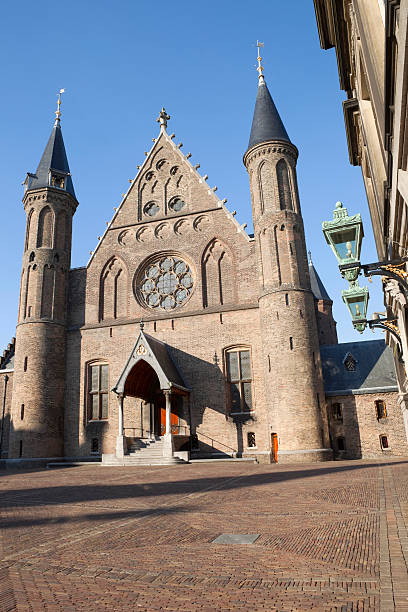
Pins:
x,y
98,421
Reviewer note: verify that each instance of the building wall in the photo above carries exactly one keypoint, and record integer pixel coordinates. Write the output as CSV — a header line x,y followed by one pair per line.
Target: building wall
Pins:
x,y
372,53
361,429
326,324
198,346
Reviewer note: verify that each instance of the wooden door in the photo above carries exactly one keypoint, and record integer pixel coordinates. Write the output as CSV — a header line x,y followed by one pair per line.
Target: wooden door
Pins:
x,y
274,447
174,419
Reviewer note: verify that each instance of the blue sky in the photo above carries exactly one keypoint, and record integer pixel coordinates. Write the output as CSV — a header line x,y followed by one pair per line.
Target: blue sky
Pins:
x,y
120,62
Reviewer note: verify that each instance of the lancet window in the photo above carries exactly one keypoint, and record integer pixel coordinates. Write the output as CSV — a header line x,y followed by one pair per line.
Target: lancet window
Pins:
x,y
98,385
113,290
218,275
239,377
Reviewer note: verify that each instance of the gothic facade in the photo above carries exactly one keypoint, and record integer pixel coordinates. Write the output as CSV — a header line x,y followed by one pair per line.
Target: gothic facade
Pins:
x,y
183,335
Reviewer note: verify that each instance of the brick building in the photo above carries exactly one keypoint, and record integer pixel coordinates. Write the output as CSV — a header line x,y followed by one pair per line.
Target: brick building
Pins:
x,y
182,332
370,38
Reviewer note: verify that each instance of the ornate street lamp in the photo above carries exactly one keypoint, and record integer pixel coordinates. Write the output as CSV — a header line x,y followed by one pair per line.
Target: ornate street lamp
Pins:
x,y
356,300
344,234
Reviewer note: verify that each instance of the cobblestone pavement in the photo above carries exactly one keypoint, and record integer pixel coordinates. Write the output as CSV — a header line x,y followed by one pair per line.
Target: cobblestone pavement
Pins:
x,y
332,537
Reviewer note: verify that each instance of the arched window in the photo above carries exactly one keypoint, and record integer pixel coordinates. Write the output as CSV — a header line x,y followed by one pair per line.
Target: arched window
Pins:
x,y
239,377
98,391
285,196
113,296
384,442
217,275
45,228
29,218
266,186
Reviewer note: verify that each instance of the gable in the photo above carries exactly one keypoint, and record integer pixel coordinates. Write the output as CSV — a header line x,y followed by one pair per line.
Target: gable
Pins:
x,y
170,212
154,353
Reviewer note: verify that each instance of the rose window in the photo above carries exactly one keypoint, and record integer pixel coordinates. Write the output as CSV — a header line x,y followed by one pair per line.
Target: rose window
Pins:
x,y
167,283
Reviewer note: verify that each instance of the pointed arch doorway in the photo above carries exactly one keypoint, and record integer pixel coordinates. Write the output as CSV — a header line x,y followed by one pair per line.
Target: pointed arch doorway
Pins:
x,y
151,374
143,383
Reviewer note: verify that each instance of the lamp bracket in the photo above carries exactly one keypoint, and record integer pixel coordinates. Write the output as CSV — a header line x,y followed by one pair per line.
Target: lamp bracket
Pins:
x,y
388,324
394,269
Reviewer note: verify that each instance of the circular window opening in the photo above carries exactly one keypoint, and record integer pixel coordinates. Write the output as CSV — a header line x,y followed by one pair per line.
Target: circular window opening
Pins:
x,y
151,209
166,284
176,204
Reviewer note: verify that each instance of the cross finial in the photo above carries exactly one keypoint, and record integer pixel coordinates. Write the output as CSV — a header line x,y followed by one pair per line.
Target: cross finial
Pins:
x,y
58,111
163,118
141,325
259,58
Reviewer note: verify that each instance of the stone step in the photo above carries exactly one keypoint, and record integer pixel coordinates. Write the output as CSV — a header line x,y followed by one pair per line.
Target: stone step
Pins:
x,y
126,461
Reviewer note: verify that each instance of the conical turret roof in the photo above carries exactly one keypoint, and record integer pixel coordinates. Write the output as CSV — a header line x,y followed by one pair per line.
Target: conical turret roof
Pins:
x,y
316,284
266,123
53,158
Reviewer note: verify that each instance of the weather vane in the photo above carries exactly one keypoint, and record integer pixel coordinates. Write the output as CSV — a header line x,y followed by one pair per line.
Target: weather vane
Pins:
x,y
259,58
58,111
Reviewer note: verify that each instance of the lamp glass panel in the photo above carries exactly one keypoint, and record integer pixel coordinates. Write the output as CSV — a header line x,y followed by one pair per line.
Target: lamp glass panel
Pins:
x,y
345,243
357,307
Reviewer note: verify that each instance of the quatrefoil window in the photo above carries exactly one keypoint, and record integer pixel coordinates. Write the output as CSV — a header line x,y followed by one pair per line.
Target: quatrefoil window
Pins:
x,y
151,209
176,204
167,283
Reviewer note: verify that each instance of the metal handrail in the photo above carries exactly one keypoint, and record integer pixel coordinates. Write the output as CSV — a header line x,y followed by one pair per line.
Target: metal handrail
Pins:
x,y
147,432
217,441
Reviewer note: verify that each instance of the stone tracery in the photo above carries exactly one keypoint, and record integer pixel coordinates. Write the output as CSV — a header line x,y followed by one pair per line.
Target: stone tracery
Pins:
x,y
166,283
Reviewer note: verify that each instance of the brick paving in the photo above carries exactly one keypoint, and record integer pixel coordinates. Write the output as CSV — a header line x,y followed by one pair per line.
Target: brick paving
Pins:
x,y
332,537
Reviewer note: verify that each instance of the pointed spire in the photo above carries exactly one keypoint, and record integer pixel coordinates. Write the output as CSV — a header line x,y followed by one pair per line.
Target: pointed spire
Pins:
x,y
266,124
316,284
53,169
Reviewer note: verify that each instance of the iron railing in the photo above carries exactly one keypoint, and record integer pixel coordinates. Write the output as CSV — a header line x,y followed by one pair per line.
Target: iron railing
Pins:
x,y
138,432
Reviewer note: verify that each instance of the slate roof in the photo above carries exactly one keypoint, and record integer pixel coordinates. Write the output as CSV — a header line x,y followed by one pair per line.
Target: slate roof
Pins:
x,y
53,158
374,370
7,359
161,352
316,284
266,123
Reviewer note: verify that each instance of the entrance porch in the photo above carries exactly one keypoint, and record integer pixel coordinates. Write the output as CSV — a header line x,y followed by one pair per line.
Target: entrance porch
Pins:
x,y
153,415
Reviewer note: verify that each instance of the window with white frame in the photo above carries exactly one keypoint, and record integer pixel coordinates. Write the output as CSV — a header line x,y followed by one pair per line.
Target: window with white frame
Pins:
x,y
98,395
239,377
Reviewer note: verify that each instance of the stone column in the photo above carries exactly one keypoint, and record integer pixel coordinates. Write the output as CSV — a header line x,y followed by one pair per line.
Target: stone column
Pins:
x,y
120,439
152,421
168,438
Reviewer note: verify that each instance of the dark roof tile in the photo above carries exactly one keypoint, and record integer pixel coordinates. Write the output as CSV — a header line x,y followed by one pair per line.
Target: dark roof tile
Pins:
x,y
266,123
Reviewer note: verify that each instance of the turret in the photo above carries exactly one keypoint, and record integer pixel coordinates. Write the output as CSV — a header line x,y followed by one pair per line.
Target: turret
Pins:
x,y
39,375
294,385
326,324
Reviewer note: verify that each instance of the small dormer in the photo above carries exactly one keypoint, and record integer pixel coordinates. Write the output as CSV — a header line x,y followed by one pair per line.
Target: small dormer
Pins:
x,y
58,179
350,362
